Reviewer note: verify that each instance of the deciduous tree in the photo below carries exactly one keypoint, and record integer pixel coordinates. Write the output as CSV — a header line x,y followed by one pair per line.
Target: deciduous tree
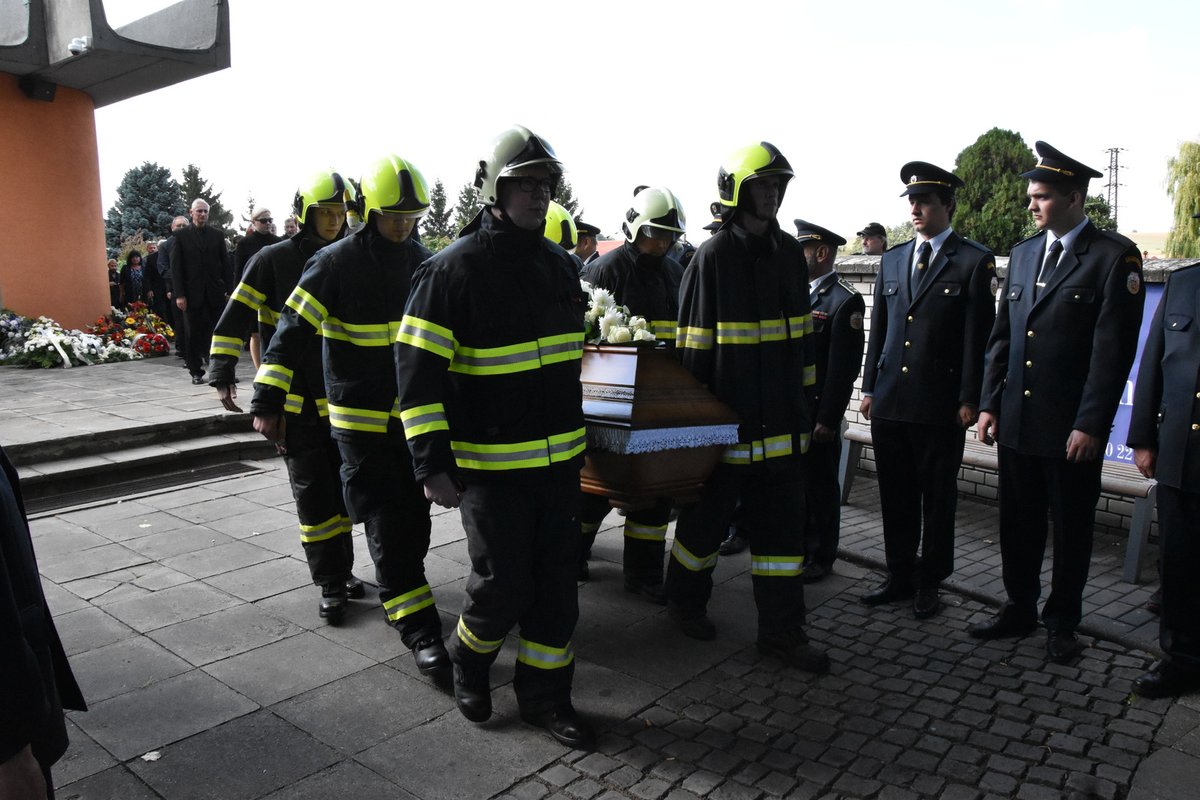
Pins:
x,y
1183,184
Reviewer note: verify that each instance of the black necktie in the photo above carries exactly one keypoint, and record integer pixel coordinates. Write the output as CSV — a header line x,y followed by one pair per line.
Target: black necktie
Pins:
x,y
924,256
1052,257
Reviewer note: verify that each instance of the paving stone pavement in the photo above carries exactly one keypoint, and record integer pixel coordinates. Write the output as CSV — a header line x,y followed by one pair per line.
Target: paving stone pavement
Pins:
x,y
190,623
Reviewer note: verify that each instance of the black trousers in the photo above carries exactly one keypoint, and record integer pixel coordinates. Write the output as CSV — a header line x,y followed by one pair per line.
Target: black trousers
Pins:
x,y
201,318
1031,488
773,516
383,495
823,502
523,540
314,469
1179,537
917,469
645,535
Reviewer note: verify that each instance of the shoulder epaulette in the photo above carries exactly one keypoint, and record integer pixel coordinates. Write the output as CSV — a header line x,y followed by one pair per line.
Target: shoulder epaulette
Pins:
x,y
976,245
1120,239
900,244
847,285
1029,238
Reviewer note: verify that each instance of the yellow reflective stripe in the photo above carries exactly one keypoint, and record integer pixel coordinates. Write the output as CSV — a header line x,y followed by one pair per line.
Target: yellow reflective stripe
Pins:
x,y
543,656
772,330
759,449
268,316
474,642
767,330
366,335
649,533
810,375
663,328
322,407
692,562
565,446
403,605
293,404
694,338
276,375
427,336
800,326
225,346
334,526
349,418
496,360
562,347
308,307
737,333
248,295
776,566
424,419
775,446
517,455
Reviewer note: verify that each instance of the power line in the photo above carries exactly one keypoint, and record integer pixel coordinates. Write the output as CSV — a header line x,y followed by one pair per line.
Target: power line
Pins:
x,y
1114,169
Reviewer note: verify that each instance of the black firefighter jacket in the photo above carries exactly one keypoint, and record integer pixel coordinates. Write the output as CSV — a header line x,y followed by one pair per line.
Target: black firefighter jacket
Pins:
x,y
837,311
352,294
648,286
746,332
270,277
1060,363
925,355
488,357
1166,402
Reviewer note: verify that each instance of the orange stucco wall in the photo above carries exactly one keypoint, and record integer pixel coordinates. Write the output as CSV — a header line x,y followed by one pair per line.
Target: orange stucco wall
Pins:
x,y
51,221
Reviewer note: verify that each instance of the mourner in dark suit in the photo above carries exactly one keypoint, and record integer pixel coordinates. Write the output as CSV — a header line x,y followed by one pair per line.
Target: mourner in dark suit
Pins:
x,y
202,275
837,312
35,678
1164,433
1057,361
933,310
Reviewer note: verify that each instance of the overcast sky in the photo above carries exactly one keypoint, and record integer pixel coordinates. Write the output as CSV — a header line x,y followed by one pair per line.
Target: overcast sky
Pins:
x,y
660,92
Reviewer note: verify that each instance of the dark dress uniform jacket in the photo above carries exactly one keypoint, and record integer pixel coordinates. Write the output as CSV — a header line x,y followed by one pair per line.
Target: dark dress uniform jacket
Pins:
x,y
1060,363
925,357
648,286
201,269
35,678
1166,404
837,312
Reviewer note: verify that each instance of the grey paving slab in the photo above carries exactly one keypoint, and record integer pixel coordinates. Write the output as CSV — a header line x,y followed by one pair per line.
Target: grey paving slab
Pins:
x,y
265,579
285,668
83,758
114,783
167,711
218,559
51,540
89,628
169,501
337,781
106,512
285,540
123,584
223,634
122,530
188,538
365,632
60,600
218,508
363,709
251,523
215,766
124,666
70,566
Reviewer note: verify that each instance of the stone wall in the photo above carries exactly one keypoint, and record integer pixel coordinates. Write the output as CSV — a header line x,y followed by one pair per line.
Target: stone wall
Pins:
x,y
1113,513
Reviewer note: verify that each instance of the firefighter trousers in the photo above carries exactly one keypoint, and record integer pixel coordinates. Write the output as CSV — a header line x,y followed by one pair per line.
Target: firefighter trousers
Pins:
x,y
523,541
772,507
313,465
645,534
383,495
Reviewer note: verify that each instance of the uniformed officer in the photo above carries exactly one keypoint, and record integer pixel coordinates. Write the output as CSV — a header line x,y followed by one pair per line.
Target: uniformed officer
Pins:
x,y
932,313
642,275
1057,361
309,453
585,248
1164,432
488,358
745,331
837,311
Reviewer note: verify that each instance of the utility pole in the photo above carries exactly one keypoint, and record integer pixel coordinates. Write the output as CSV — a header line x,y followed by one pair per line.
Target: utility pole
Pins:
x,y
1114,169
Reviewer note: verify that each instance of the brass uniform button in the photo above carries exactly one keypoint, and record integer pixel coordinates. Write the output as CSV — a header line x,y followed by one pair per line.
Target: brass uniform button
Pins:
x,y
910,317
1028,393
1029,334
1196,426
1029,363
904,370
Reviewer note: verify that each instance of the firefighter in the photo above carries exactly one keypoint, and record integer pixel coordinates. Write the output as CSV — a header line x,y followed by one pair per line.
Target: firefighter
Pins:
x,y
352,294
488,360
642,275
309,453
561,230
745,331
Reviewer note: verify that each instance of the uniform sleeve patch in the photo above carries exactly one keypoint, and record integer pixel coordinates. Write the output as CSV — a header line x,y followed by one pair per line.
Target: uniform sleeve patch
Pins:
x,y
995,286
1134,282
856,321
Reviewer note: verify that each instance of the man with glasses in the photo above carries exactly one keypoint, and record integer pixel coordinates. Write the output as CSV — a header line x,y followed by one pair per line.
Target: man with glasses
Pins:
x,y
202,275
641,275
488,359
258,237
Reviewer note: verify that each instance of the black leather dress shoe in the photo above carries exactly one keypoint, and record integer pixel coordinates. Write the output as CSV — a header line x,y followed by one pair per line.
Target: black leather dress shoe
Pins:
x,y
815,572
651,590
890,591
198,380
355,589
1001,627
1062,647
565,725
794,650
430,655
926,602
734,543
472,696
333,604
1166,679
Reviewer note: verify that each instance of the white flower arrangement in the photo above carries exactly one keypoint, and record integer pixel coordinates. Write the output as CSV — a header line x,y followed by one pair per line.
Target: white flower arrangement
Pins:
x,y
42,342
608,323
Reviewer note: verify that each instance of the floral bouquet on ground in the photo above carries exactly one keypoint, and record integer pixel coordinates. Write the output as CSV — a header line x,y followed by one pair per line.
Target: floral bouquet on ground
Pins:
x,y
42,342
608,323
135,327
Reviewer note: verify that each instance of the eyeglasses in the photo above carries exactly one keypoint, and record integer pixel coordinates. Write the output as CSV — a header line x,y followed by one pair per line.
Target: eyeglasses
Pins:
x,y
531,185
265,220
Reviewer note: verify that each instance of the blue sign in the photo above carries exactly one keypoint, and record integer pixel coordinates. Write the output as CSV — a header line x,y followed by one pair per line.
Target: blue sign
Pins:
x,y
1116,449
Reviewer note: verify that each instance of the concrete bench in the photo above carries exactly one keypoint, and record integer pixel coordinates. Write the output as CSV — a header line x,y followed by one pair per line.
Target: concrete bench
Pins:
x,y
1117,479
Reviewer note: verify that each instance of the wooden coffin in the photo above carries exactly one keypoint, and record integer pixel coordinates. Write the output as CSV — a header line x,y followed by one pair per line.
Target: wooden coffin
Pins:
x,y
653,430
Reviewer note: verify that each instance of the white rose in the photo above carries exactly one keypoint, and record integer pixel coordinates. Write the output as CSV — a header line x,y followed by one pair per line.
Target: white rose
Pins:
x,y
637,323
620,335
643,335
